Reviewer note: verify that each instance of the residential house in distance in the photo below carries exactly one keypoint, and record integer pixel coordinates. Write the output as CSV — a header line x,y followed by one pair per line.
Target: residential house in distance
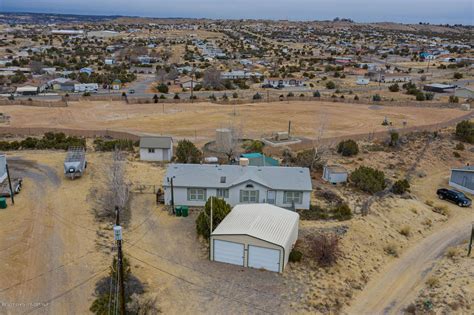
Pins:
x,y
286,82
156,148
86,87
255,236
464,92
439,88
193,184
463,179
27,90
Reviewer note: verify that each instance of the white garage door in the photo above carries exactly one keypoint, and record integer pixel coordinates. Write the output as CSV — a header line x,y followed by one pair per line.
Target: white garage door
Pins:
x,y
267,258
229,252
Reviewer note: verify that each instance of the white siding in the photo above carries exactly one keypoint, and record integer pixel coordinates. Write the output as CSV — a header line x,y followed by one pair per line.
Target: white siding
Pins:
x,y
158,155
181,197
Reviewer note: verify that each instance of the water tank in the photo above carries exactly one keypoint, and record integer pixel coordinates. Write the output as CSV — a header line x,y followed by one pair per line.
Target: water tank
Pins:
x,y
223,139
244,162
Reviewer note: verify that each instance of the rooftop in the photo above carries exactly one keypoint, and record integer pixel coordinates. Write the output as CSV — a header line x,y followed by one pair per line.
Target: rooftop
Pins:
x,y
263,221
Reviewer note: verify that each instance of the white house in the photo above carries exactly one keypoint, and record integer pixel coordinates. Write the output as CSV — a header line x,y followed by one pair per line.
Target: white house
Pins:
x,y
463,179
193,184
86,87
256,236
286,82
154,148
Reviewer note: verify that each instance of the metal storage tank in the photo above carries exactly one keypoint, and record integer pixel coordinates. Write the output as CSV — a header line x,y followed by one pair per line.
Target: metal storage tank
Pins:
x,y
223,139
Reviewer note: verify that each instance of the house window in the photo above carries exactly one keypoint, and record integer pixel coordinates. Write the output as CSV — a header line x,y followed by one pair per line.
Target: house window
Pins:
x,y
293,197
196,194
151,150
249,196
223,193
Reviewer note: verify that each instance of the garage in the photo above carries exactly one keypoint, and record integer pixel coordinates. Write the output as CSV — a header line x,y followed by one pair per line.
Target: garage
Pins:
x,y
266,258
229,252
259,236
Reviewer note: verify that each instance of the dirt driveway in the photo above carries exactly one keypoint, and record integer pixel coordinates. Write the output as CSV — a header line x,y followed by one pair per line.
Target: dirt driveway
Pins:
x,y
174,264
48,253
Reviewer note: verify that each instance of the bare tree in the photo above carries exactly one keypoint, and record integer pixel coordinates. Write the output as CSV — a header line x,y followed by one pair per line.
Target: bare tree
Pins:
x,y
115,191
212,78
161,75
36,67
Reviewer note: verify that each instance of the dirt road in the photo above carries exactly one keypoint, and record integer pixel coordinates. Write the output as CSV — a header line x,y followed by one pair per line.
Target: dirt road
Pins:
x,y
396,284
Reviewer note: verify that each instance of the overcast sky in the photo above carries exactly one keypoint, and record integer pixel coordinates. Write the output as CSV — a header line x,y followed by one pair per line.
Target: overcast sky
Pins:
x,y
406,11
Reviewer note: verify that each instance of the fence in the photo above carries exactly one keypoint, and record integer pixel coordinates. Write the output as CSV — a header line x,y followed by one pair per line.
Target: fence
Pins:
x,y
38,131
35,103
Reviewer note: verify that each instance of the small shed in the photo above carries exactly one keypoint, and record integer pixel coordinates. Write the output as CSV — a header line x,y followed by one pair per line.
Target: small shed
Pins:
x,y
156,148
335,174
116,84
257,236
463,179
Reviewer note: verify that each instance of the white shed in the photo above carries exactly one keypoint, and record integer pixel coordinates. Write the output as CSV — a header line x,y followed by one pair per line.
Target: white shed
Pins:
x,y
256,235
156,148
335,174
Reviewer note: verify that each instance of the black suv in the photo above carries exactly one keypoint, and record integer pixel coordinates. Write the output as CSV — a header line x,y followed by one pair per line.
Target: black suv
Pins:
x,y
455,196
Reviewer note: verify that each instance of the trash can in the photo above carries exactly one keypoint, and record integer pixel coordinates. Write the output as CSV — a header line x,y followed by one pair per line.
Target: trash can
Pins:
x,y
3,203
184,211
178,211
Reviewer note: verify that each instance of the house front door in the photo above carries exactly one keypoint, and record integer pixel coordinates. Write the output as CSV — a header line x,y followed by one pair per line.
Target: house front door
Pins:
x,y
271,197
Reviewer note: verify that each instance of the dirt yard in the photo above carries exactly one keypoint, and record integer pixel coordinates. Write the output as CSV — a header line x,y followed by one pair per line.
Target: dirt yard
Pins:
x,y
53,251
199,121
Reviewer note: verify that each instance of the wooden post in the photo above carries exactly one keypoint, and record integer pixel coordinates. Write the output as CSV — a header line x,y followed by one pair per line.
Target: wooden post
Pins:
x,y
12,193
470,241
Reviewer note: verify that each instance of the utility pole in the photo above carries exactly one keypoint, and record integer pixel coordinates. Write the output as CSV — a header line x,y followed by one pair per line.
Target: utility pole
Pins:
x,y
172,196
289,128
470,241
118,238
12,193
211,219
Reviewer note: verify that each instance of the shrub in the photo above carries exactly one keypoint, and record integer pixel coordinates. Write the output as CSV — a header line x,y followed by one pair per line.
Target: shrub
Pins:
x,y
400,187
162,88
253,146
356,98
348,148
432,282
111,145
325,249
220,209
391,249
295,256
376,98
457,75
330,85
456,154
459,147
465,131
452,252
394,87
342,212
316,94
368,179
187,152
176,96
405,231
257,96
453,99
420,96
429,96
443,210
235,95
394,137
290,94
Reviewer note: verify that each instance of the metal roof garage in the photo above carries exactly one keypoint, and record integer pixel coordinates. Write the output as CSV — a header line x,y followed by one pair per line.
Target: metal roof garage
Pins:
x,y
256,236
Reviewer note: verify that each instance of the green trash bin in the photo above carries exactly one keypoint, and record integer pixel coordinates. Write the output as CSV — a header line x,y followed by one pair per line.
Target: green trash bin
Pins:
x,y
178,211
3,203
184,211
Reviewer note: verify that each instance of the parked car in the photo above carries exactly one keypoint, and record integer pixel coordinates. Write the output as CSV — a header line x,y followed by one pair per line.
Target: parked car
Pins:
x,y
131,91
454,196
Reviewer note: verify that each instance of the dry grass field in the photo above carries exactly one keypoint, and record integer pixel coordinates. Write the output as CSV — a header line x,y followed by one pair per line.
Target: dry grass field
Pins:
x,y
198,121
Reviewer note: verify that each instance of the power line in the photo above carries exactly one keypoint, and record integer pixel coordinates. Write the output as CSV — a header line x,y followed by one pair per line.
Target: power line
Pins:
x,y
202,287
